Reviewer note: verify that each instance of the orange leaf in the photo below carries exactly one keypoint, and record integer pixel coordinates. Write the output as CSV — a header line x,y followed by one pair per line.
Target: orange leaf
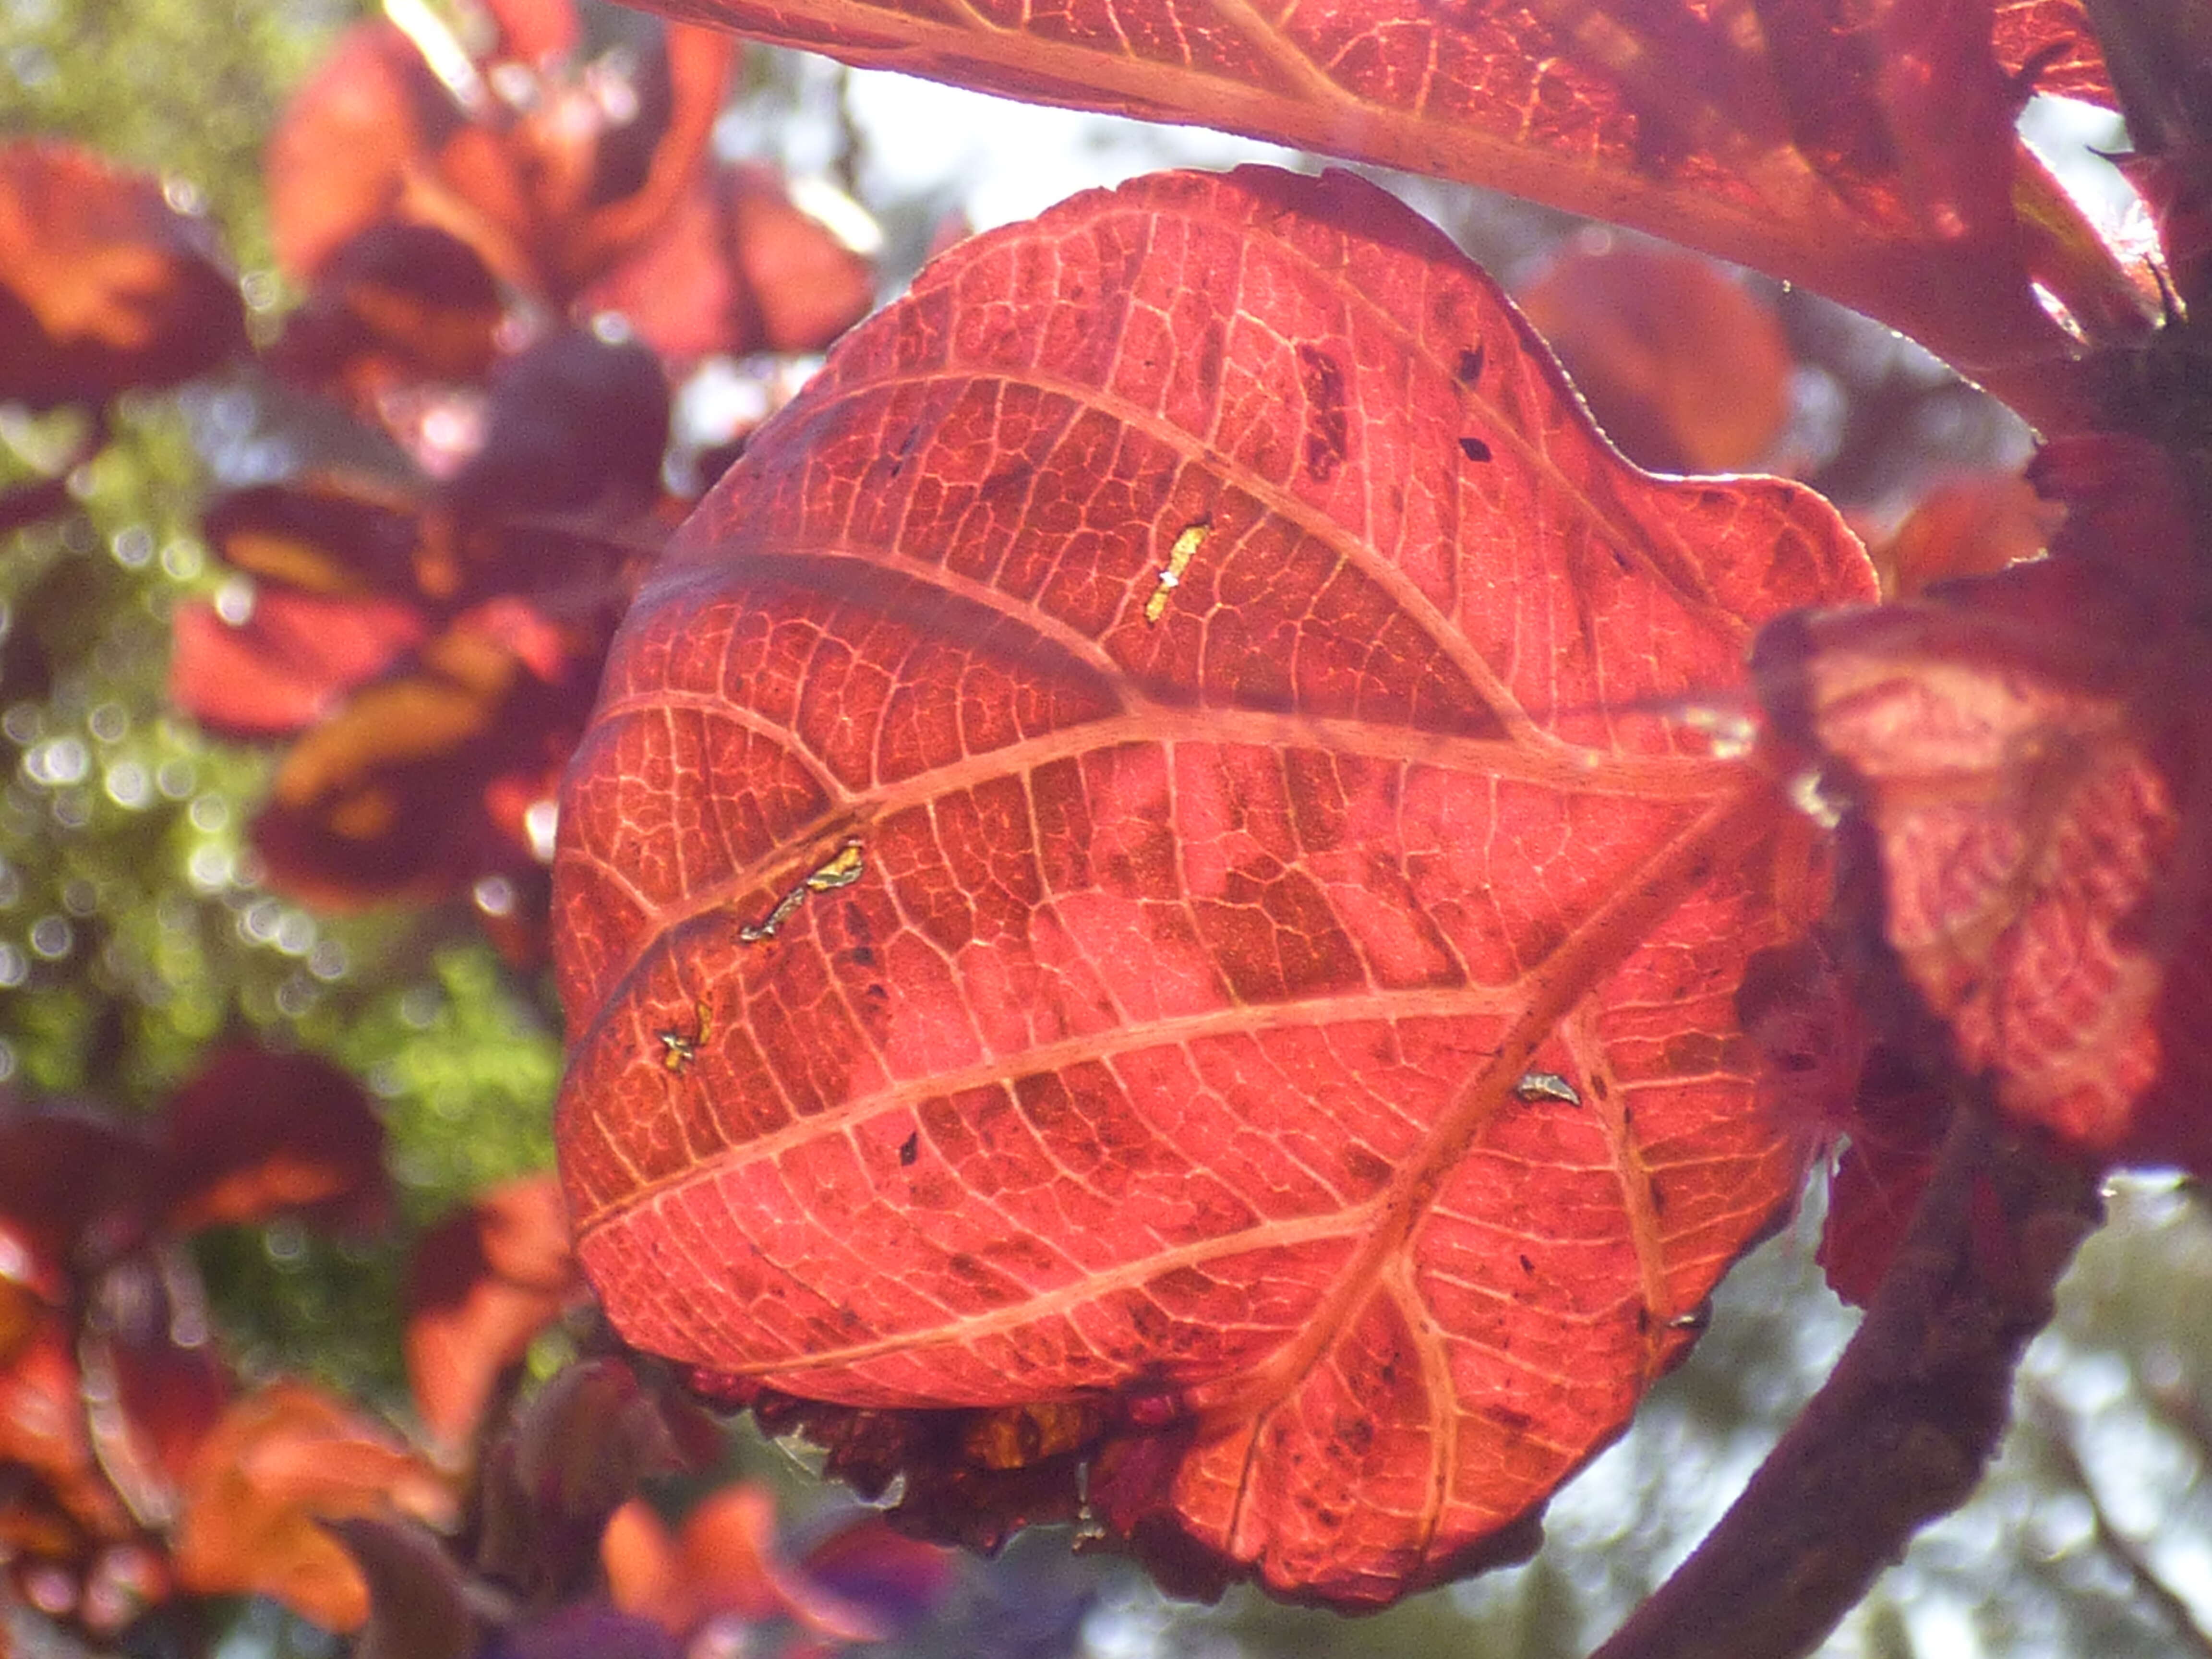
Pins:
x,y
1685,370
481,1285
282,1461
1966,527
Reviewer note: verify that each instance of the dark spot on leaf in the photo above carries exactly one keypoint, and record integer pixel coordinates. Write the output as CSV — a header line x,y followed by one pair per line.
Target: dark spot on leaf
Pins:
x,y
909,1149
972,1270
1527,1266
1328,428
1474,449
1470,364
1363,1167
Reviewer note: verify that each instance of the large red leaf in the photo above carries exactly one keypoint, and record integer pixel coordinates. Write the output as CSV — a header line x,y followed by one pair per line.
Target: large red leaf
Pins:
x,y
1865,151
1131,854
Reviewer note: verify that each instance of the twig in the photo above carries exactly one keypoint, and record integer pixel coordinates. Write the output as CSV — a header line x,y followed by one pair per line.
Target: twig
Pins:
x,y
1899,1433
2047,1415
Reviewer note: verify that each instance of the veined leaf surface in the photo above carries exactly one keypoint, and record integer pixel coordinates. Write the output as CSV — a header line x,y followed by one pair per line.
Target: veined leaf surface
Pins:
x,y
1135,856
1865,151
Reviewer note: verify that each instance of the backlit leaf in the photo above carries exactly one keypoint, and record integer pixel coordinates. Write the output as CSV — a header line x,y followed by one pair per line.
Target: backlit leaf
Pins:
x,y
1866,152
1685,370
1133,887
2028,751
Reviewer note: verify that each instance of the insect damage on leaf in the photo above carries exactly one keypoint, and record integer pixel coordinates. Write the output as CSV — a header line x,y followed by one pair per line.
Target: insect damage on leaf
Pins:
x,y
1179,558
841,870
1171,1117
680,1049
1545,1085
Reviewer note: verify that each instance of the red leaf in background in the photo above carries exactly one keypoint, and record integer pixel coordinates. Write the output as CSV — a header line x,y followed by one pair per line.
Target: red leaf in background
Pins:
x,y
480,1286
290,664
1968,526
1867,152
255,1134
324,536
103,284
2057,35
436,650
2157,49
1685,370
808,285
1876,1187
396,303
76,1188
152,1386
550,191
2029,753
576,1452
42,1431
282,1461
391,796
1128,857
338,163
739,268
724,1561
